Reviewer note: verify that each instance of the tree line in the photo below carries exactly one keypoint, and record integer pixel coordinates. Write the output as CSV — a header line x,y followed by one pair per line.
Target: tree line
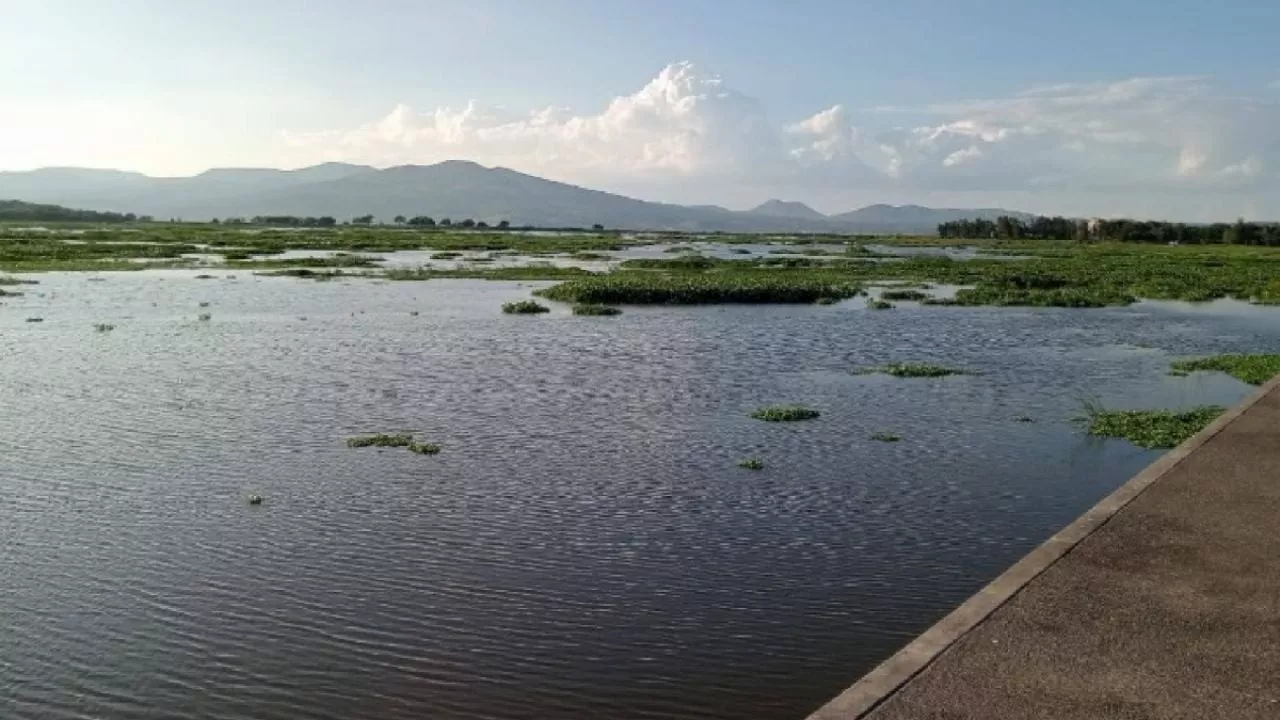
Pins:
x,y
1131,231
35,212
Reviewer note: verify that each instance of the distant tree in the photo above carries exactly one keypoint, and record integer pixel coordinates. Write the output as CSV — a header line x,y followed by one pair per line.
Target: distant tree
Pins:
x,y
362,220
446,222
399,220
503,225
214,221
597,226
481,224
422,221
468,223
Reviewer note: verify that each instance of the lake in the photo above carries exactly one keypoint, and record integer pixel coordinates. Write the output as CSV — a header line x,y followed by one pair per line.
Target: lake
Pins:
x,y
584,546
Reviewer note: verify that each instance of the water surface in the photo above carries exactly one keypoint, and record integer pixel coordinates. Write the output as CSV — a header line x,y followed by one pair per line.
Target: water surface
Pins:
x,y
584,546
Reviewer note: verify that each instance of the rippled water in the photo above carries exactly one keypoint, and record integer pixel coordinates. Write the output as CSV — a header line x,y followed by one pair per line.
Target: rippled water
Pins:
x,y
584,546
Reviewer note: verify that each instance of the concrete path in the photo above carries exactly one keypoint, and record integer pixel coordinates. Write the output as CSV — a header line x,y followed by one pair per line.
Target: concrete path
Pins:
x,y
1161,603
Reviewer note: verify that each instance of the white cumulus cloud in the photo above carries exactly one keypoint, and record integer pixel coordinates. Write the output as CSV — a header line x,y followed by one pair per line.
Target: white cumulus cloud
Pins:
x,y
688,126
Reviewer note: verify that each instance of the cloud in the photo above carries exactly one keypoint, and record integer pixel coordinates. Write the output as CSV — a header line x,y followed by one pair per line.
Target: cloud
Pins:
x,y
682,122
688,126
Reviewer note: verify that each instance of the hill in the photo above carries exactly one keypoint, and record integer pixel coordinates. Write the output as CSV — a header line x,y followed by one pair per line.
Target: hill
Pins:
x,y
454,189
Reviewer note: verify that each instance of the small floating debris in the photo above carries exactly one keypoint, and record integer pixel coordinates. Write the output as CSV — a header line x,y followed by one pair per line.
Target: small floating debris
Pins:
x,y
104,327
35,319
413,313
886,437
204,304
255,499
1023,419
423,448
204,317
205,277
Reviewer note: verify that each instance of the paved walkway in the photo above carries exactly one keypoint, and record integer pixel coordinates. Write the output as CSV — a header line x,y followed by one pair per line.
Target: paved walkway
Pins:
x,y
1161,603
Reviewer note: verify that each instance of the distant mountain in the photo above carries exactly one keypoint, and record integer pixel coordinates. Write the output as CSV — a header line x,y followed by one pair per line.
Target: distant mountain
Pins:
x,y
786,209
455,189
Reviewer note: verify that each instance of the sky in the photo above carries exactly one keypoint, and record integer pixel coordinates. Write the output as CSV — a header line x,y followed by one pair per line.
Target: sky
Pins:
x,y
1144,108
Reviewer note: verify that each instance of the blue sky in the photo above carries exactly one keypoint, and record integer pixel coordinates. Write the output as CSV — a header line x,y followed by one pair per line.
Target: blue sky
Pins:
x,y
1158,108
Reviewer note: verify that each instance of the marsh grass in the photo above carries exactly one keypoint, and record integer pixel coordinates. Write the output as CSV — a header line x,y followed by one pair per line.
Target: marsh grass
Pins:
x,y
912,370
1254,369
886,437
593,309
1149,428
751,464
524,307
785,413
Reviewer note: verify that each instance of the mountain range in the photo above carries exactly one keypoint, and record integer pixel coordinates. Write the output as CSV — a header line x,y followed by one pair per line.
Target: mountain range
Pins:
x,y
455,189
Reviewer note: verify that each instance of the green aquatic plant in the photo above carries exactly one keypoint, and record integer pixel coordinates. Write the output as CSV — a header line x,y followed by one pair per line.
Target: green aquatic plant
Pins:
x,y
824,300
784,413
524,307
751,464
697,288
381,440
886,437
879,305
912,370
589,255
35,319
1150,428
593,309
1254,369
423,448
204,317
1024,419
9,293
104,327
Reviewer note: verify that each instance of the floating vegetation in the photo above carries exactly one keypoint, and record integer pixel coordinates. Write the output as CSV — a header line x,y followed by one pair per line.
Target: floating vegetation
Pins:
x,y
684,262
540,271
381,440
446,255
204,277
1024,419
35,319
593,309
886,437
751,464
1178,373
589,255
1254,369
524,307
255,499
414,313
879,305
784,413
204,304
104,327
309,274
915,295
1150,428
912,370
204,317
739,251
9,293
751,286
825,300
423,448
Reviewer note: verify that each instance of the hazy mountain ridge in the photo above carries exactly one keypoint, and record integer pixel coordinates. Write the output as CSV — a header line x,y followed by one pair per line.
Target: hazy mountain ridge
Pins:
x,y
455,189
